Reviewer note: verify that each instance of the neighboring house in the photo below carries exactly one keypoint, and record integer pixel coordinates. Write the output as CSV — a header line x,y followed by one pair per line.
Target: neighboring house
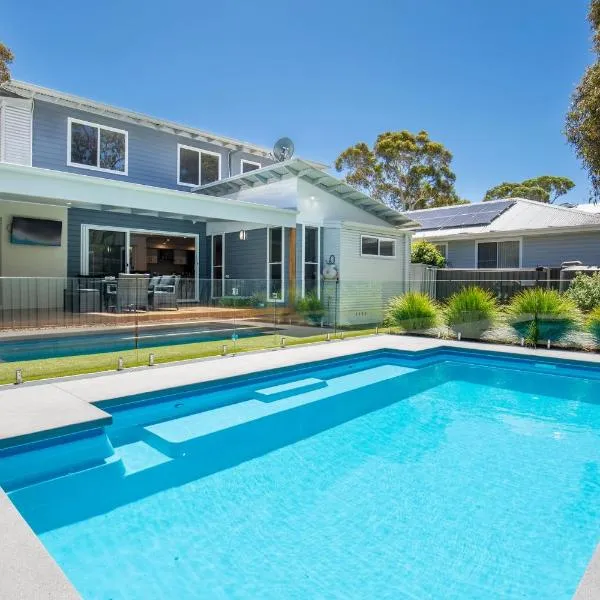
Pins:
x,y
133,193
510,234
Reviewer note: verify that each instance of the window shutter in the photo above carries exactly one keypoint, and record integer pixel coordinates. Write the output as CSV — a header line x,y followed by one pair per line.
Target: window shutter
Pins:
x,y
15,133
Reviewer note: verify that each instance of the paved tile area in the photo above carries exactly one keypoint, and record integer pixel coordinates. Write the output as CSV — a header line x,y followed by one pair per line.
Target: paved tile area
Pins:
x,y
27,571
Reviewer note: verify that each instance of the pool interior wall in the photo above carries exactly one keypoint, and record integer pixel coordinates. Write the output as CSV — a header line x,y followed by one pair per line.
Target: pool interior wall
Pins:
x,y
162,441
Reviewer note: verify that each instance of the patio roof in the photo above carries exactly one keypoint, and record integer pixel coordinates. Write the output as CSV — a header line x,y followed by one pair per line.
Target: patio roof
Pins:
x,y
45,186
305,171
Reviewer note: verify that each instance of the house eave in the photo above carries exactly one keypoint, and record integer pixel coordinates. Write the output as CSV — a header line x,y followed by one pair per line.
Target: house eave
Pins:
x,y
33,184
440,237
305,171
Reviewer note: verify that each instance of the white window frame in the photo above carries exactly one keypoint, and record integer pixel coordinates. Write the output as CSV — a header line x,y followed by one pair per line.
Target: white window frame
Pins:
x,y
98,126
497,241
379,240
212,265
199,151
445,245
304,263
248,162
84,265
269,263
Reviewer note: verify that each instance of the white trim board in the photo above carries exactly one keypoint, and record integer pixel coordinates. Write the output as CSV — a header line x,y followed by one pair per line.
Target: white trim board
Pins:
x,y
244,161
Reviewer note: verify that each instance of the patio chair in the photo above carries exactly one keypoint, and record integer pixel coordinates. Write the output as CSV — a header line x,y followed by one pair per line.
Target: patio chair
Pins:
x,y
165,292
130,293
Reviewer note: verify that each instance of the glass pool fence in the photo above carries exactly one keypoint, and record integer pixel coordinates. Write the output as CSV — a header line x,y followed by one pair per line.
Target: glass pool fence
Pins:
x,y
53,327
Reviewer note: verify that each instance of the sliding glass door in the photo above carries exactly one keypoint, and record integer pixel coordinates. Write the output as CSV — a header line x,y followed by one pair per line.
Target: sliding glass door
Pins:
x,y
110,251
106,254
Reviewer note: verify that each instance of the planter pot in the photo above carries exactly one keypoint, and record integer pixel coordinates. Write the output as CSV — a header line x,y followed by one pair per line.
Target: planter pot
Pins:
x,y
472,330
548,329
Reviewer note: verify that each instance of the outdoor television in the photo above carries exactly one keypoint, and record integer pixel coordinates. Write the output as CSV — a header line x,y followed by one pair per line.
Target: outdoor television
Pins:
x,y
35,232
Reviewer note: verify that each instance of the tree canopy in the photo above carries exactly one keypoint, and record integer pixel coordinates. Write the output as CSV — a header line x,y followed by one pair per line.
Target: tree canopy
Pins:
x,y
407,171
546,188
6,57
583,119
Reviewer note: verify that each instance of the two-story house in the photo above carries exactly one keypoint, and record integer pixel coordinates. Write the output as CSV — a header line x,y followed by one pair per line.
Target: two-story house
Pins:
x,y
90,190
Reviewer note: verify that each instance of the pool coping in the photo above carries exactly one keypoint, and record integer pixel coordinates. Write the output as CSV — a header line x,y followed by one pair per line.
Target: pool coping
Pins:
x,y
27,570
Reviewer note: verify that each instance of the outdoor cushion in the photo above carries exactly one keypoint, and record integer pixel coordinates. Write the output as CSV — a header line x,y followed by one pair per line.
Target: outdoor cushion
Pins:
x,y
154,282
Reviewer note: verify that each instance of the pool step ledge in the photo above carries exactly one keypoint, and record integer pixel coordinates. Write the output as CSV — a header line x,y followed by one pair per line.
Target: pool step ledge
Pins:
x,y
249,428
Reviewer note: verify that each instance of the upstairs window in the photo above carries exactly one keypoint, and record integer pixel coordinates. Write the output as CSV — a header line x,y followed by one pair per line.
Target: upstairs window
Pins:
x,y
248,165
197,167
97,147
376,246
499,255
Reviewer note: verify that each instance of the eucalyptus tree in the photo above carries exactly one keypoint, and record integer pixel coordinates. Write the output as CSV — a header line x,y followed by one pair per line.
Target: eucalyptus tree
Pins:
x,y
405,170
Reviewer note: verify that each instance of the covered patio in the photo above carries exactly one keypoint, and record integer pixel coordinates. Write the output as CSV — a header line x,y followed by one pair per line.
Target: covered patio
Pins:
x,y
127,248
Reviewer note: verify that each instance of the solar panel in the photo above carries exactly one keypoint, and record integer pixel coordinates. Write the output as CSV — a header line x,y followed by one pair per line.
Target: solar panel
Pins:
x,y
465,215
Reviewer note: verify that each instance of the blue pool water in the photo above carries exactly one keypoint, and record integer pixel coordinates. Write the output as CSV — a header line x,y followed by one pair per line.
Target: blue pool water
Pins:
x,y
375,478
48,346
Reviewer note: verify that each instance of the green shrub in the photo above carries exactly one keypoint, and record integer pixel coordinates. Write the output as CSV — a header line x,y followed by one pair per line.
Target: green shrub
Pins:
x,y
585,290
471,305
311,307
540,313
413,310
427,254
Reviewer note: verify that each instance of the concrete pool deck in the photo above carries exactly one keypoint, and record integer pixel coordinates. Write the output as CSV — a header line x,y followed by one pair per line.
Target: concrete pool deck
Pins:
x,y
60,406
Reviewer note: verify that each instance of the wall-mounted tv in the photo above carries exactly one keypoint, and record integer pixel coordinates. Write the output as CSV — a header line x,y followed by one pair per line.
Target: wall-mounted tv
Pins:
x,y
35,232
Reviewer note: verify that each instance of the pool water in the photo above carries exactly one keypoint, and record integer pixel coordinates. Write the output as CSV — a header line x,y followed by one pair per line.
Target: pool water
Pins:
x,y
47,346
449,480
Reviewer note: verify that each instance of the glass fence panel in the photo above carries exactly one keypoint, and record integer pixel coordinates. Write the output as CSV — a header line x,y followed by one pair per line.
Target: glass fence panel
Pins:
x,y
61,326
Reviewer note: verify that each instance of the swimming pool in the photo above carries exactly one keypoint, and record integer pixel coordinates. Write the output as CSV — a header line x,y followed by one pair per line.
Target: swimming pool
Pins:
x,y
116,340
437,475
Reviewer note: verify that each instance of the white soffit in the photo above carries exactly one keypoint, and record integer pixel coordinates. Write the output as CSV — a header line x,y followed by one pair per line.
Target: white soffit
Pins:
x,y
304,170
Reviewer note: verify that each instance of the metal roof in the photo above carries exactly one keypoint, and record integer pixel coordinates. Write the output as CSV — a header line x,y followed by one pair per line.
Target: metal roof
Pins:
x,y
37,92
521,215
305,171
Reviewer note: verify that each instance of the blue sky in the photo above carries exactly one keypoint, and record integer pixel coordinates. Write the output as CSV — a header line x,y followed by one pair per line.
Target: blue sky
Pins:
x,y
490,80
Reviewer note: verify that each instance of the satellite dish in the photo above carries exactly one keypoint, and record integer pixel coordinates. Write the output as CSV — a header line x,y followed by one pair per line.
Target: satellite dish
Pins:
x,y
283,149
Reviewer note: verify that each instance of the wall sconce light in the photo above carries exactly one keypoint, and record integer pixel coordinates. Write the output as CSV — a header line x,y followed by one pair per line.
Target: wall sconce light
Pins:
x,y
243,235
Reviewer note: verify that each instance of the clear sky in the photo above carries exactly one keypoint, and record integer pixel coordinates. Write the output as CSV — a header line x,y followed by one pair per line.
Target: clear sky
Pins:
x,y
489,79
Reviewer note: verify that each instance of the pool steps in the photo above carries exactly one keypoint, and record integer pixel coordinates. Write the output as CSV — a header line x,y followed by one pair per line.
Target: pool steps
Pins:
x,y
145,447
20,468
176,437
277,392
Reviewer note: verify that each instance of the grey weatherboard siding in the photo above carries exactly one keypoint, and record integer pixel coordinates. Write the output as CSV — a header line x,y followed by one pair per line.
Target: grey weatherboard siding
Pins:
x,y
79,216
152,154
544,250
246,259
